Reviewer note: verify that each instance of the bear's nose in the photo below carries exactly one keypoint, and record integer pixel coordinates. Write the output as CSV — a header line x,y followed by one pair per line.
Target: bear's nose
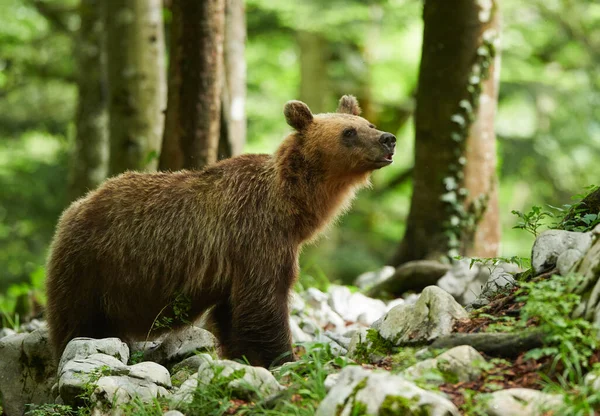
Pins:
x,y
388,140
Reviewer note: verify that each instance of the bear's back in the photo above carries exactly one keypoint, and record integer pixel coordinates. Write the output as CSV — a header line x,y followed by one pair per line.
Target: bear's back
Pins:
x,y
156,228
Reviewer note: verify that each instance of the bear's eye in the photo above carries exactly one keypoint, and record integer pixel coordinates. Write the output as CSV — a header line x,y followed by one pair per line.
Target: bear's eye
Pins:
x,y
349,132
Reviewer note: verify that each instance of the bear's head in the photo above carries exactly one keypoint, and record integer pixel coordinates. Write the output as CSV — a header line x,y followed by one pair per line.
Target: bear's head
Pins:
x,y
343,141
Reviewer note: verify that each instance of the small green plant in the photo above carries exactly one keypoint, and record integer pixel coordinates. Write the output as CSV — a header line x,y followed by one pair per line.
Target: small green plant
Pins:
x,y
136,357
475,403
216,397
172,314
10,320
306,381
361,352
50,409
494,372
571,341
532,221
179,306
491,263
373,345
137,407
581,399
305,384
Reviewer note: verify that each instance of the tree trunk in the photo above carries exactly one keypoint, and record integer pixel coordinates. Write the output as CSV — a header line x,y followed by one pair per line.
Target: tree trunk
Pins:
x,y
482,238
233,107
89,163
454,204
313,70
136,80
365,81
192,126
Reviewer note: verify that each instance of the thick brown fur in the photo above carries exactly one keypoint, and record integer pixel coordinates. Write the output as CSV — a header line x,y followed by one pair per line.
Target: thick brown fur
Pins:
x,y
226,237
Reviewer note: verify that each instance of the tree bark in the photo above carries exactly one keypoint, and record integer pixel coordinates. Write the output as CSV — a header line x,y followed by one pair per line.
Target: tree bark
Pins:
x,y
136,79
454,203
193,120
89,163
480,179
233,107
313,70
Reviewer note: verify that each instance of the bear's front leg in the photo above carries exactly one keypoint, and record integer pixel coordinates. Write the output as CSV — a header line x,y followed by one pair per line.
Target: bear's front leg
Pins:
x,y
260,329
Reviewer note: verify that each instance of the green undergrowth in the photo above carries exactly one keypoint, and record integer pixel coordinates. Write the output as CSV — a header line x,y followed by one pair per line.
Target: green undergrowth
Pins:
x,y
549,305
51,409
304,381
570,341
578,399
475,403
216,397
21,302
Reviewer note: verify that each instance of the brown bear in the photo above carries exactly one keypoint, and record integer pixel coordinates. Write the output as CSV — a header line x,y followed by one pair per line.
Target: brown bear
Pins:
x,y
149,247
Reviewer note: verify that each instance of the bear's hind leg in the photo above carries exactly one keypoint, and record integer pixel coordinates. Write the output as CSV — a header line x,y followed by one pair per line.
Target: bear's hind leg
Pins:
x,y
77,322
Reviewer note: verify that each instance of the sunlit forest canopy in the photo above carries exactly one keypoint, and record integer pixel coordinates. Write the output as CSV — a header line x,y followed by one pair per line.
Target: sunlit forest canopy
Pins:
x,y
547,123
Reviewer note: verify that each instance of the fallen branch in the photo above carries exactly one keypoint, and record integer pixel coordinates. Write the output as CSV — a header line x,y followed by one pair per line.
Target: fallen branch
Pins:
x,y
508,344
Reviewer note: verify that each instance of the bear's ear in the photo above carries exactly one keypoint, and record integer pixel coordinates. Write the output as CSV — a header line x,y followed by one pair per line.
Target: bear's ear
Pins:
x,y
297,114
349,105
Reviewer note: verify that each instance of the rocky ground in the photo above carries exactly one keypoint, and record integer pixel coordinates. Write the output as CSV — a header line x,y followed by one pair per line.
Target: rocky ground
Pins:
x,y
481,337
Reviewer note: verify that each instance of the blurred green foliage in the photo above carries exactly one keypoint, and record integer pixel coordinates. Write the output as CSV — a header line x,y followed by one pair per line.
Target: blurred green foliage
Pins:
x,y
548,120
37,100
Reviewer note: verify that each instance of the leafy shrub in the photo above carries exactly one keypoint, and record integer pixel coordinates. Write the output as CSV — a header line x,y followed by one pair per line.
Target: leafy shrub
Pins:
x,y
571,341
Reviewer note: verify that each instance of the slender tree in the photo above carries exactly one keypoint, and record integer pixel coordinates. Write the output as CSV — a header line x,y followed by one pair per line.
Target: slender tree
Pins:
x,y
233,111
90,156
192,125
454,202
314,84
136,80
